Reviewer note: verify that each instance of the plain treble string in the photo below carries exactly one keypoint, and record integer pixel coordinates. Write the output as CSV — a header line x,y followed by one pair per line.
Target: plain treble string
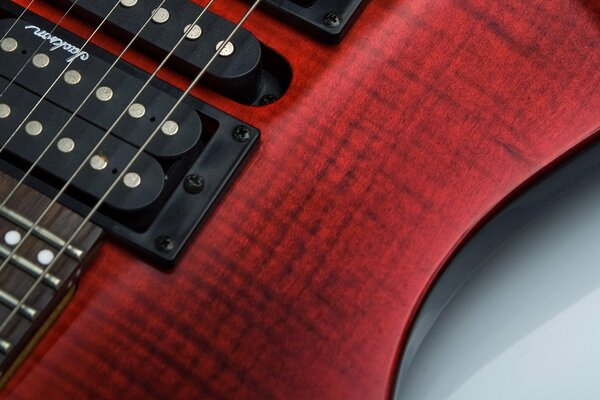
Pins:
x,y
38,48
17,20
43,97
66,185
106,134
124,171
74,113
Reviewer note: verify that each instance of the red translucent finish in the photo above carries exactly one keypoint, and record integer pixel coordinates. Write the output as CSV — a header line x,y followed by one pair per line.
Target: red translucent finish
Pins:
x,y
386,153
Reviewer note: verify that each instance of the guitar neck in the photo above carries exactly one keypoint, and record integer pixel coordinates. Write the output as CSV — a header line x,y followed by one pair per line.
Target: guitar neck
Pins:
x,y
24,277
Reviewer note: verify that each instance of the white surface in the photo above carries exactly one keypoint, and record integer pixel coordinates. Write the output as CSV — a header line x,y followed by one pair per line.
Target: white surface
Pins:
x,y
527,325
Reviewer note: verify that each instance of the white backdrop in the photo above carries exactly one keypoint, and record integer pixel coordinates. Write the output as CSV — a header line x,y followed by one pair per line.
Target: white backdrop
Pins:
x,y
527,325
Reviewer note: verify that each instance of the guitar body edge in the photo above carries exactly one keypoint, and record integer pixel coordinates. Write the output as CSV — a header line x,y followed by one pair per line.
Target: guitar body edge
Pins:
x,y
385,154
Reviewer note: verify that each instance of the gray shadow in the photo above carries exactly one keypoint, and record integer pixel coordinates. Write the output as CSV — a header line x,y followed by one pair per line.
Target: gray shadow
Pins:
x,y
550,264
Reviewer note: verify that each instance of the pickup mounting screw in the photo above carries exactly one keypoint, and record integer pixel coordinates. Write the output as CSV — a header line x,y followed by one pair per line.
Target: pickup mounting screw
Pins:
x,y
164,244
332,20
268,99
241,134
193,184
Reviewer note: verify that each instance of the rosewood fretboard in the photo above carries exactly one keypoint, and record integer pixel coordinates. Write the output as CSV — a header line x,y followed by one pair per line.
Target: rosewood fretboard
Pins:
x,y
29,262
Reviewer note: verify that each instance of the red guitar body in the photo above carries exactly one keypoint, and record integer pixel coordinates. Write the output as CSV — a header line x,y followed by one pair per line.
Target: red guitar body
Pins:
x,y
385,154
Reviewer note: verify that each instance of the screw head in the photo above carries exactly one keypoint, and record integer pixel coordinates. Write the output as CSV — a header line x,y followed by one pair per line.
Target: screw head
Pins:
x,y
268,99
164,244
193,184
332,20
241,134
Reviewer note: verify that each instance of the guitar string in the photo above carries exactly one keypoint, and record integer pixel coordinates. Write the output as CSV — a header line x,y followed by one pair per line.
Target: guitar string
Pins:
x,y
74,113
127,167
17,20
124,171
59,76
70,180
38,159
19,17
38,48
107,133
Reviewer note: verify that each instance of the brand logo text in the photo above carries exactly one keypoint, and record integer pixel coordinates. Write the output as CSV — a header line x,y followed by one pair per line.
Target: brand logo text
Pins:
x,y
58,43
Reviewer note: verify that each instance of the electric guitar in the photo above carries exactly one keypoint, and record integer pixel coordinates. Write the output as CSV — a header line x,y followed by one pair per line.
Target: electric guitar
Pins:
x,y
258,199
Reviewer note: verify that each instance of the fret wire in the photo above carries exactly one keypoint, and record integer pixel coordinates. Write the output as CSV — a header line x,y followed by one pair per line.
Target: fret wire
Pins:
x,y
11,254
35,224
142,148
43,97
31,268
72,116
28,172
42,233
12,302
5,346
107,133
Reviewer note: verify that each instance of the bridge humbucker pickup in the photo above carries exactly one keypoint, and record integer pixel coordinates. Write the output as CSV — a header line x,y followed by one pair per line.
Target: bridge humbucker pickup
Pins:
x,y
89,71
243,74
174,182
28,144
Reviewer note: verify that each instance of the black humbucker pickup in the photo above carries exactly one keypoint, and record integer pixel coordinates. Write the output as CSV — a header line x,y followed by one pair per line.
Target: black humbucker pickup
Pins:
x,y
246,71
180,175
89,70
40,129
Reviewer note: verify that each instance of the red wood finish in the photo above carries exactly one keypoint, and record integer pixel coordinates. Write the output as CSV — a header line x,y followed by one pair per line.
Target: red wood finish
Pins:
x,y
385,154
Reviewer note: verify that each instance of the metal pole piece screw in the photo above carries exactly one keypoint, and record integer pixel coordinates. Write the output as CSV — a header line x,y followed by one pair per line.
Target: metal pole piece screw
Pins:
x,y
193,184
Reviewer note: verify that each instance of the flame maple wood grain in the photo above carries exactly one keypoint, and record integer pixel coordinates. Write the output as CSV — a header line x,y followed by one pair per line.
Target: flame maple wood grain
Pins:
x,y
386,153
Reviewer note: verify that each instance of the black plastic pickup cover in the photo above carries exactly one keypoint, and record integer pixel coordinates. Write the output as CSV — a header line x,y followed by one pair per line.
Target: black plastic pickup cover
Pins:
x,y
103,114
250,74
207,146
26,148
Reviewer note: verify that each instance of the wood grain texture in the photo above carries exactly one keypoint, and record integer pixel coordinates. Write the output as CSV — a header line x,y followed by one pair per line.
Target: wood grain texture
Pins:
x,y
386,153
20,278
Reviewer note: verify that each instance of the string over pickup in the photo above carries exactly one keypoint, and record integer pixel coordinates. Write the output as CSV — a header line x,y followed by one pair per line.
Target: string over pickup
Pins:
x,y
245,71
81,76
81,121
72,148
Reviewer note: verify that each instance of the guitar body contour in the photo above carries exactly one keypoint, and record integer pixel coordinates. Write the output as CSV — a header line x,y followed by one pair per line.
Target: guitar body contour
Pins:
x,y
386,153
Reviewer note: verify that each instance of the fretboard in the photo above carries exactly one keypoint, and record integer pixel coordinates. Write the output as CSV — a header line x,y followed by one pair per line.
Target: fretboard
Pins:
x,y
31,294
